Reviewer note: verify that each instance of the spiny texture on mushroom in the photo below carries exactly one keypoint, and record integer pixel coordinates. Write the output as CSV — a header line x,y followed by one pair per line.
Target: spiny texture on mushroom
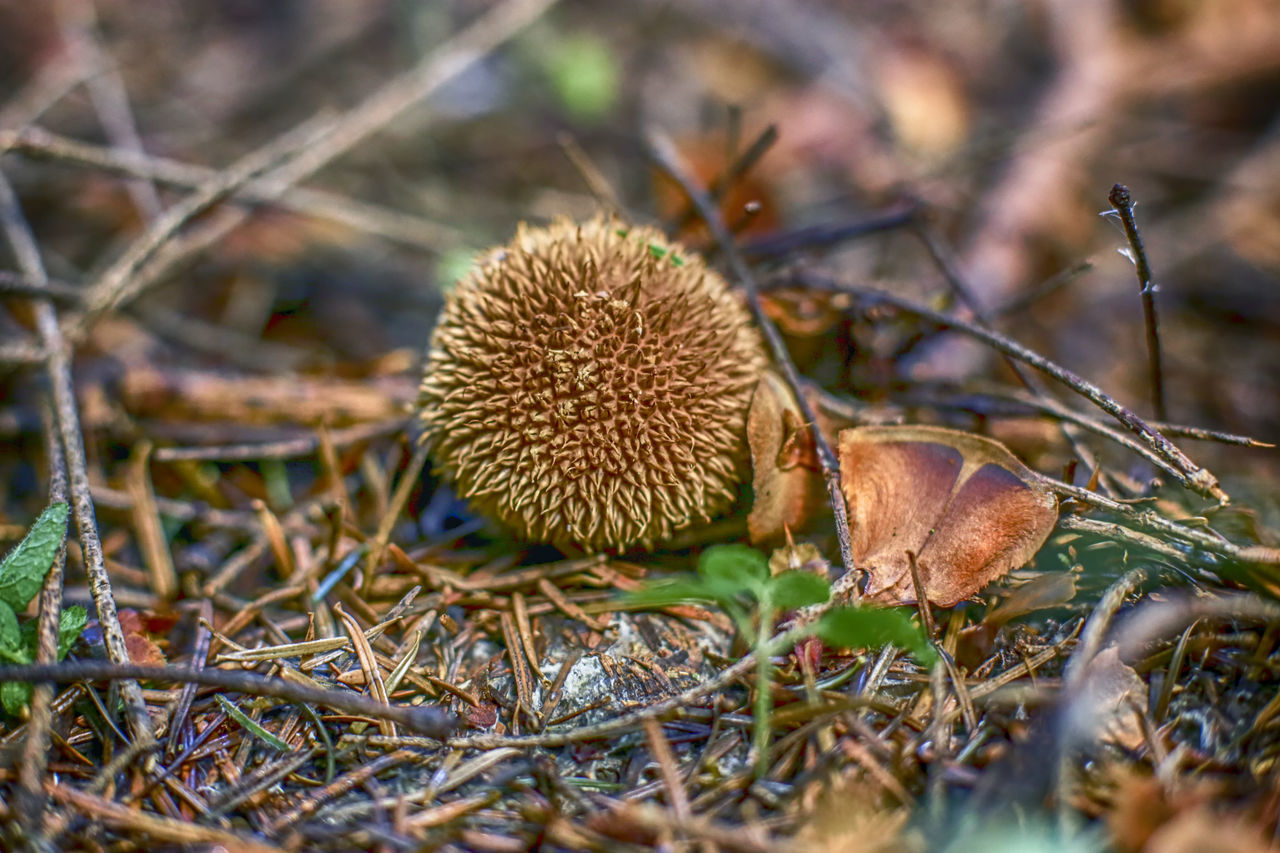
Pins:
x,y
588,384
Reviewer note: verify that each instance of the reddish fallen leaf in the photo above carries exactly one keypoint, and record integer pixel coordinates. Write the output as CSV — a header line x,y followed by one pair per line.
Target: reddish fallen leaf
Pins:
x,y
784,463
962,504
482,716
142,647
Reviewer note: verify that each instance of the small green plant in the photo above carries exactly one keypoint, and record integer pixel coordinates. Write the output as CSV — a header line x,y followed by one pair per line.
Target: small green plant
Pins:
x,y
737,579
21,574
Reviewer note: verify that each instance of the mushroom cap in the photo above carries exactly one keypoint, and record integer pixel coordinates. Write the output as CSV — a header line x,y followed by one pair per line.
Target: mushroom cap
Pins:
x,y
588,384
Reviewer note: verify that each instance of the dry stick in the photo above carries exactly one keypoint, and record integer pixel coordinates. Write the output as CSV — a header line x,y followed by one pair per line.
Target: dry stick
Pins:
x,y
1156,619
1202,434
405,228
16,284
52,82
409,479
1123,204
1191,475
429,720
375,112
124,280
1050,406
664,153
35,750
162,829
334,137
597,184
335,788
23,354
58,367
288,448
1207,540
787,243
77,22
944,260
1037,292
660,749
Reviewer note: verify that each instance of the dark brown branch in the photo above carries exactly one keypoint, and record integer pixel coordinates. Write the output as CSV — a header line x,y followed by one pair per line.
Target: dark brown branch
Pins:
x,y
786,243
58,368
1191,475
1123,204
35,750
663,152
38,144
429,720
947,264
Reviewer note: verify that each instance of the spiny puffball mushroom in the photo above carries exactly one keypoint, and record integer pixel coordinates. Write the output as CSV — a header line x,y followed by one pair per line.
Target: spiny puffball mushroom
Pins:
x,y
588,384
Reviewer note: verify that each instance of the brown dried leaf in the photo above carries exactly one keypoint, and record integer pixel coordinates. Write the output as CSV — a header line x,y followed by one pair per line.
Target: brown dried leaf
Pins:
x,y
784,463
963,504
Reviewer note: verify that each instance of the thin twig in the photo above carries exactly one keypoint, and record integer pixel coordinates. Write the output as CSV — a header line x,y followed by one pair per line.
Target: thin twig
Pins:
x,y
15,284
1123,204
405,228
136,269
1035,293
946,262
1206,539
664,153
429,720
1191,475
58,368
787,243
404,488
1098,623
299,153
163,829
77,21
35,750
288,448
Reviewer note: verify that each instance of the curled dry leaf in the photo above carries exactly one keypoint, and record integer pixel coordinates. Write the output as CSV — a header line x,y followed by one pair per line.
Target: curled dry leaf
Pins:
x,y
962,504
1104,705
784,463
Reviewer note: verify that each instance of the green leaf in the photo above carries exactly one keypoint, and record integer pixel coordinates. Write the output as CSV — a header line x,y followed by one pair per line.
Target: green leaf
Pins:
x,y
70,623
14,696
730,570
866,627
793,589
23,569
256,730
584,74
11,644
669,592
660,252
